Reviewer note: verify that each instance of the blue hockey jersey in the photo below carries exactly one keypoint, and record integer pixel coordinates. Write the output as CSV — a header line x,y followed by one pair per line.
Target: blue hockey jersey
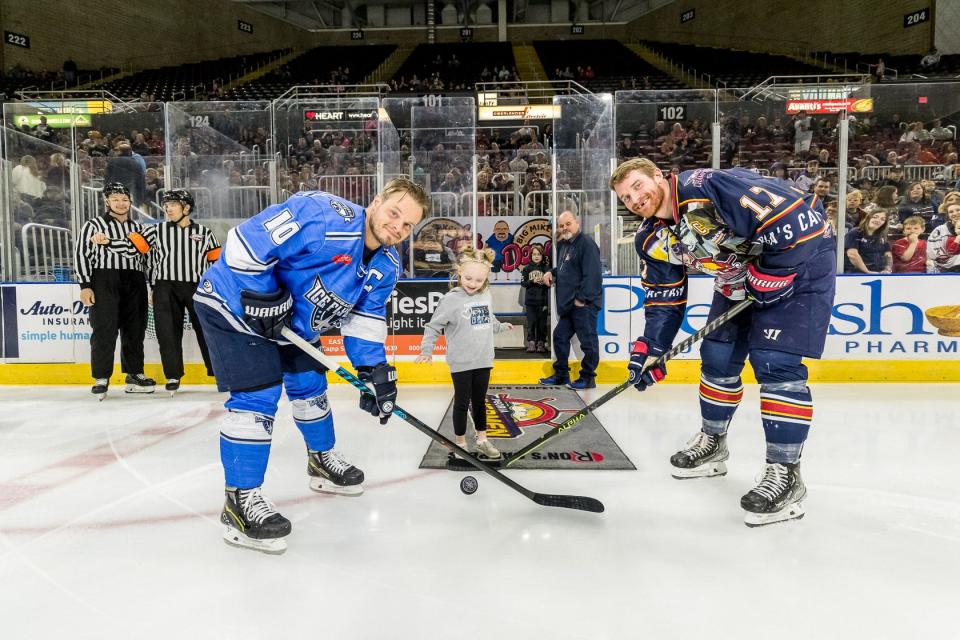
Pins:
x,y
722,220
312,245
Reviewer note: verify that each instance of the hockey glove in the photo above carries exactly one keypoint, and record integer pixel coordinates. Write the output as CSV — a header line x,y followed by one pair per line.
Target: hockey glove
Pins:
x,y
642,357
383,379
267,313
767,287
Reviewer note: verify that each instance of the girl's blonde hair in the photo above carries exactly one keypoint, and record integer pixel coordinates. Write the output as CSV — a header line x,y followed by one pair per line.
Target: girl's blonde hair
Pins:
x,y
468,254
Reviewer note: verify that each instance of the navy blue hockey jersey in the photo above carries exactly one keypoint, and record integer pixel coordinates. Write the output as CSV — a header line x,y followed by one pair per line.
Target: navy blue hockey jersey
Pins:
x,y
722,220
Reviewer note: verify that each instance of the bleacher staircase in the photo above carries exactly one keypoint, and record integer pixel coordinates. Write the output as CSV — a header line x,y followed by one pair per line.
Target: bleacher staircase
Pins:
x,y
387,69
689,77
529,65
264,70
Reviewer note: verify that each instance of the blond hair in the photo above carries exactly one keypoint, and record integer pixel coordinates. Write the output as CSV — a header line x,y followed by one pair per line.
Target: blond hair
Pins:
x,y
402,184
469,254
643,165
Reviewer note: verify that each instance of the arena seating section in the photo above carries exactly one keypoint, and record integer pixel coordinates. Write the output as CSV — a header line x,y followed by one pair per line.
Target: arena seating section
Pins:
x,y
321,65
458,66
735,68
614,66
177,82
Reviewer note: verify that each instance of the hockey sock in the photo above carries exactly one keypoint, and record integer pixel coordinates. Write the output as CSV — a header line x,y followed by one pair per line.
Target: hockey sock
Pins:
x,y
313,418
787,410
719,399
245,448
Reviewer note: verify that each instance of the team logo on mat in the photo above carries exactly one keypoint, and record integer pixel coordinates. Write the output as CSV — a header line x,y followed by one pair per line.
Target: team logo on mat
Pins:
x,y
507,416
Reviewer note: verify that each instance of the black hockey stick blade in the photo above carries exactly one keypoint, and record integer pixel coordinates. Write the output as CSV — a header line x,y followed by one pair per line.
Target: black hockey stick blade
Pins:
x,y
582,503
568,502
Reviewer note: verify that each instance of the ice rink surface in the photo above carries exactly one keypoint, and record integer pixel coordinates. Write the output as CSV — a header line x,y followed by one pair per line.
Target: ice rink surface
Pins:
x,y
109,528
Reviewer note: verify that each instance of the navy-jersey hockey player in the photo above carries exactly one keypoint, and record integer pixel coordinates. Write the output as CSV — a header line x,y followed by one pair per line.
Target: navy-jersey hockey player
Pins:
x,y
312,263
760,238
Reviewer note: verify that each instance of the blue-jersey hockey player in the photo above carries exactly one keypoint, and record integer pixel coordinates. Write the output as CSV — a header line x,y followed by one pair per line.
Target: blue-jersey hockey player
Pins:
x,y
312,263
762,239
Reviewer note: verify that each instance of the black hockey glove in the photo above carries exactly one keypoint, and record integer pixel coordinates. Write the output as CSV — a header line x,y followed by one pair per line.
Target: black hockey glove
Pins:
x,y
267,313
383,379
642,377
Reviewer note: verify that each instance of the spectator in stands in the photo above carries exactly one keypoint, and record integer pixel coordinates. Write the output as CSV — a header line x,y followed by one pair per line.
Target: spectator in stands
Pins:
x,y
879,70
943,245
123,168
627,150
25,180
939,132
886,198
803,136
913,133
451,182
916,203
808,177
822,188
779,170
866,247
894,178
58,174
923,155
70,72
44,131
854,212
930,191
910,251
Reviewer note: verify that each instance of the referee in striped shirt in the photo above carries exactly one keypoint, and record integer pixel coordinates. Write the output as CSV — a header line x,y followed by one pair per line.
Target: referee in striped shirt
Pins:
x,y
177,252
114,287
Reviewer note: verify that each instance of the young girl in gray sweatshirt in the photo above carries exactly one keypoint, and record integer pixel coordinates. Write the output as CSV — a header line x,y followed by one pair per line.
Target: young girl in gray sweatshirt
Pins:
x,y
465,318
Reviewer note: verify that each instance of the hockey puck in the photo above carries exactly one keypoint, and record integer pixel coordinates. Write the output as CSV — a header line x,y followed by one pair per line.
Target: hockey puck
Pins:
x,y
469,485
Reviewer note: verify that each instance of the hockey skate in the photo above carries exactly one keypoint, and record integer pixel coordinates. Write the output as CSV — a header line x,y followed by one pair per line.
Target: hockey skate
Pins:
x,y
703,457
330,473
172,386
100,386
139,383
778,497
253,522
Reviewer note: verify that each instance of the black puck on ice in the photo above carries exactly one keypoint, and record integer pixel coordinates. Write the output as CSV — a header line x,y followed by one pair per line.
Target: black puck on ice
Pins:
x,y
469,485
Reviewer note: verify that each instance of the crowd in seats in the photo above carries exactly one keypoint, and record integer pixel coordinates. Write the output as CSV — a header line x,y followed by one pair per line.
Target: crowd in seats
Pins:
x,y
905,171
735,68
336,66
601,65
196,81
449,67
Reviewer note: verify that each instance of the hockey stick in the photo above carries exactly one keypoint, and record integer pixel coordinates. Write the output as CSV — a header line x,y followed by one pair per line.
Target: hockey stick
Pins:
x,y
582,503
723,318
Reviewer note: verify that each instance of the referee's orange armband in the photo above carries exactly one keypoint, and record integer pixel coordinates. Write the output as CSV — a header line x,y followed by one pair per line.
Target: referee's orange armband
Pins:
x,y
213,255
139,242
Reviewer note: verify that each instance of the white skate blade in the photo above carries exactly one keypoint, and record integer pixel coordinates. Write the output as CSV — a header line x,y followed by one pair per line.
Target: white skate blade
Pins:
x,y
273,546
790,512
322,485
707,470
100,396
135,388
